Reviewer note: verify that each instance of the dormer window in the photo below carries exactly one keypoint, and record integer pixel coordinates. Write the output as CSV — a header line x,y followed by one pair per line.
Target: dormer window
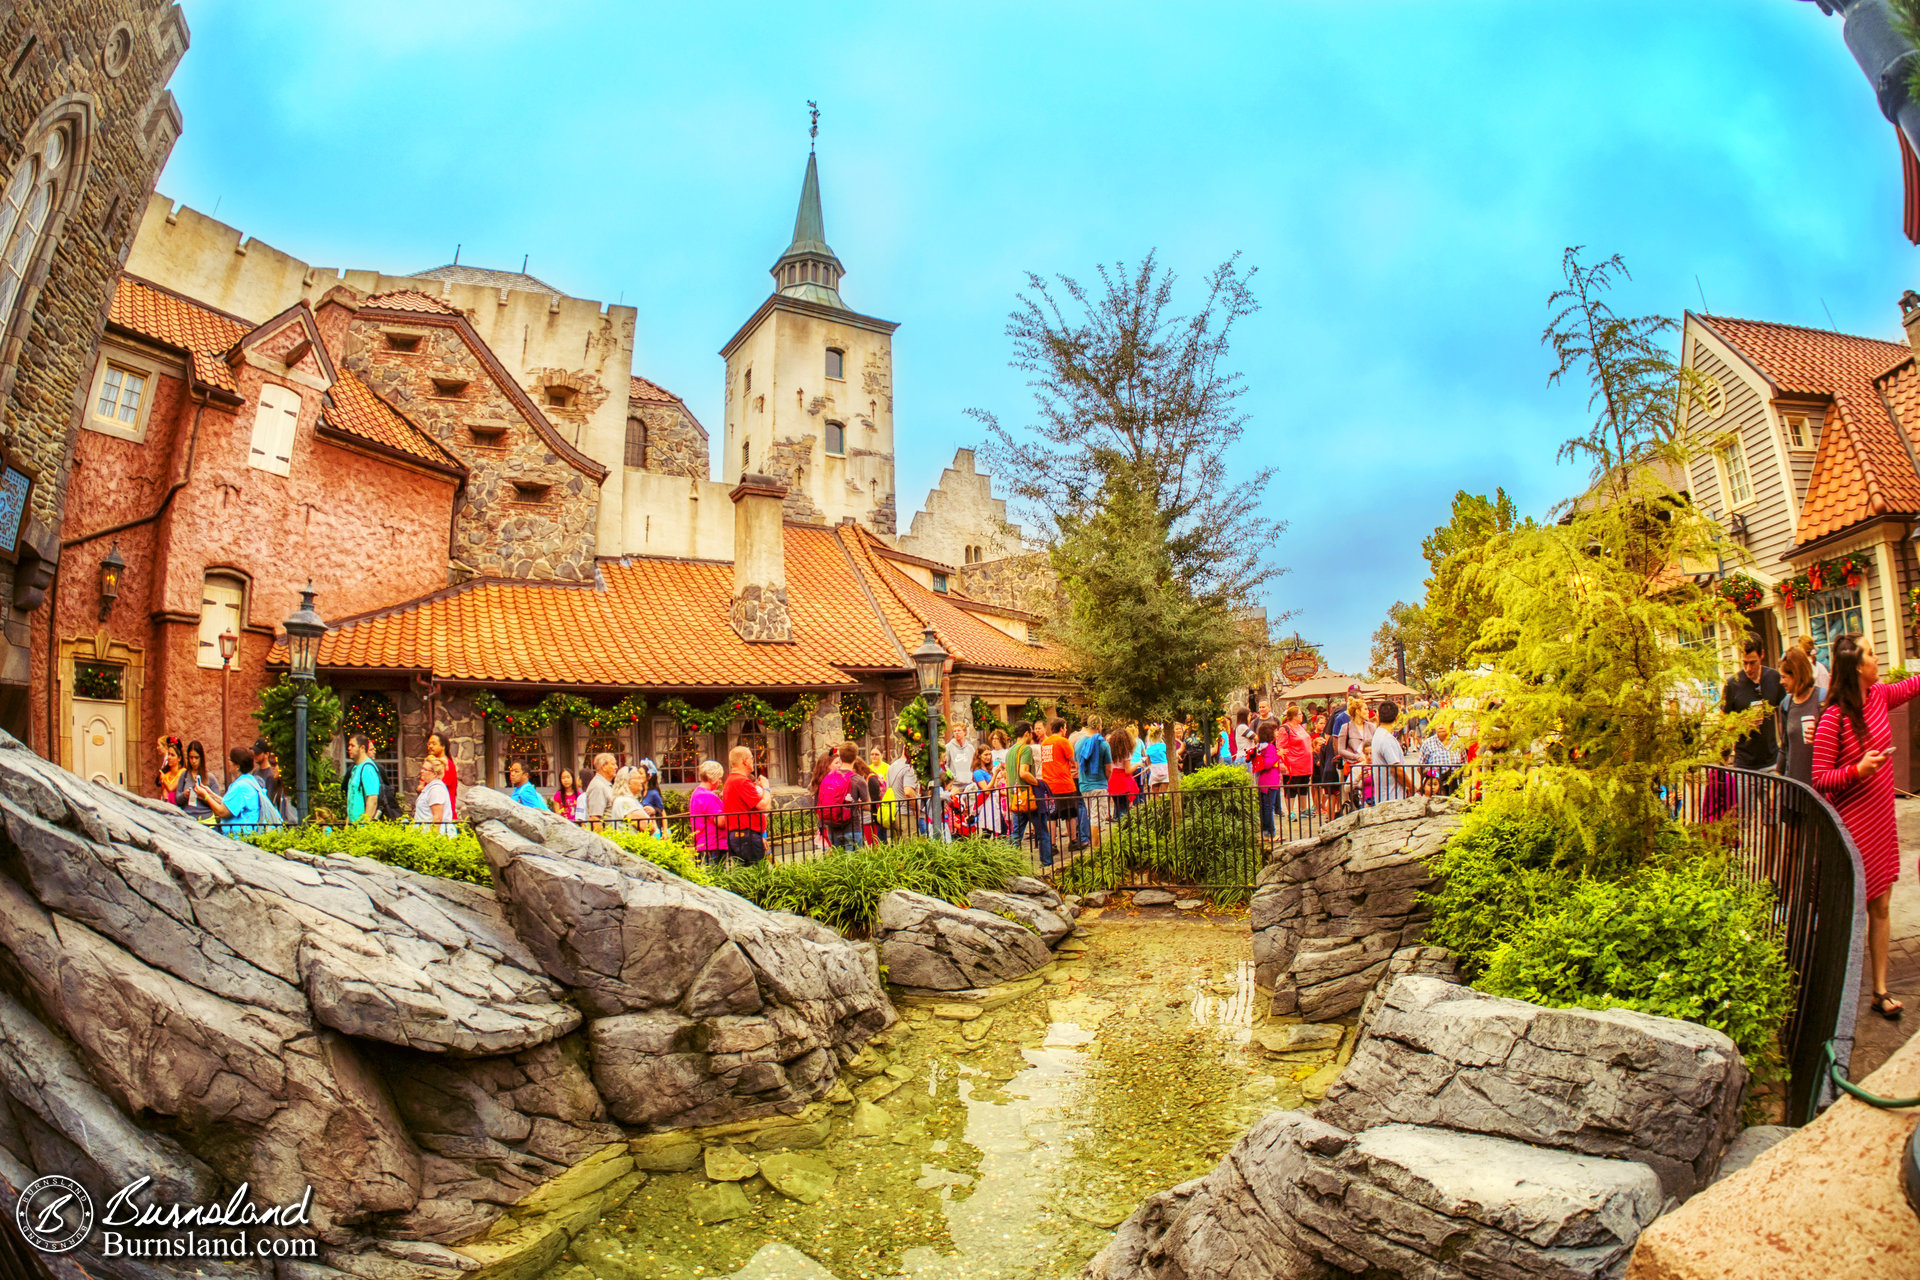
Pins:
x,y
837,439
402,341
1798,437
939,582
836,363
449,387
530,491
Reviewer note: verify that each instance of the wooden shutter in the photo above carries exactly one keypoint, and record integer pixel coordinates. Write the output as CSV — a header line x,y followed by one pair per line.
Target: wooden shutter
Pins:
x,y
274,419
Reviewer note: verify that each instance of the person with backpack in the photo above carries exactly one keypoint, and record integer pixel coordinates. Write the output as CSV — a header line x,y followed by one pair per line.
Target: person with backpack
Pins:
x,y
245,808
363,781
838,814
1028,792
1093,762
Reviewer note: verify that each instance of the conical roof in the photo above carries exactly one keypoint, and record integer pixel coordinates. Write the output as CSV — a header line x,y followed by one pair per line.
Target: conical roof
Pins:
x,y
817,272
809,224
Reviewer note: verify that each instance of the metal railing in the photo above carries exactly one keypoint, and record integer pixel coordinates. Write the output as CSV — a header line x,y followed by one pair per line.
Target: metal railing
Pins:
x,y
1783,833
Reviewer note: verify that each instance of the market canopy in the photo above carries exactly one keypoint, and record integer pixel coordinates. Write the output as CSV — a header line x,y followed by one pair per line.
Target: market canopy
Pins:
x,y
1325,687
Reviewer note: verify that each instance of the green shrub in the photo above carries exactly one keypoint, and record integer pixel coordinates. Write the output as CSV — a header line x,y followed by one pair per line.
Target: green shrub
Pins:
x,y
1685,941
1498,871
667,854
1215,776
1210,846
455,857
843,889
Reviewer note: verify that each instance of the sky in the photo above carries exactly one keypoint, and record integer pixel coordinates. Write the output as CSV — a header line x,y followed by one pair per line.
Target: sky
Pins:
x,y
1404,176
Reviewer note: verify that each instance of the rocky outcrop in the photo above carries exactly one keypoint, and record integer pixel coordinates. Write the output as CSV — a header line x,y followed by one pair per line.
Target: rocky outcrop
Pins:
x,y
1299,1199
935,946
1330,910
1045,917
180,1006
1606,1082
1469,1136
705,1008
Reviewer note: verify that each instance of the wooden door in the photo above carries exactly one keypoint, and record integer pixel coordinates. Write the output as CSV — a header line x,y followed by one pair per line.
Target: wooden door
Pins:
x,y
100,740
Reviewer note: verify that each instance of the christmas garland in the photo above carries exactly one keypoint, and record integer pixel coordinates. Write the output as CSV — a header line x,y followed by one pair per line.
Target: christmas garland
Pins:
x,y
1744,592
856,715
912,728
741,706
984,721
1913,606
1033,712
556,707
371,712
1851,569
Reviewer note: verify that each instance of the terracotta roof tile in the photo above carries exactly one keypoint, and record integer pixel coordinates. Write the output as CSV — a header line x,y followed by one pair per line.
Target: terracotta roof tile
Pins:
x,y
202,332
645,389
354,408
412,300
911,608
1862,469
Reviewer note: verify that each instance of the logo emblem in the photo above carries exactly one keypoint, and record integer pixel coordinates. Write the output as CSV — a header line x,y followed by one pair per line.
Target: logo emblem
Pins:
x,y
54,1213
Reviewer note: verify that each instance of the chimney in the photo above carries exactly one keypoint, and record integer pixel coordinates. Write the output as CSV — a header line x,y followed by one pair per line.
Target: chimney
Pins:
x,y
1910,317
759,610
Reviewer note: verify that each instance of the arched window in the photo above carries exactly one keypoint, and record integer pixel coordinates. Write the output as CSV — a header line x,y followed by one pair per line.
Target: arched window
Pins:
x,y
28,200
636,442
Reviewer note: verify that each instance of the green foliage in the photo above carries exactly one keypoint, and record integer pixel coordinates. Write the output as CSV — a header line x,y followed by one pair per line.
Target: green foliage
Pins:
x,y
1499,870
274,715
1439,631
1215,776
1124,476
1208,846
843,889
663,852
1684,941
984,720
455,857
911,725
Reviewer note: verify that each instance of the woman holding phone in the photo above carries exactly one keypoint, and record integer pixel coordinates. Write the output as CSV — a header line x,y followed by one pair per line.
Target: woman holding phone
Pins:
x,y
1851,747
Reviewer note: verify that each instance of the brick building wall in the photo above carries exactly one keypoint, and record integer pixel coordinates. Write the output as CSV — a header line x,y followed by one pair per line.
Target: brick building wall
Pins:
x,y
531,506
91,74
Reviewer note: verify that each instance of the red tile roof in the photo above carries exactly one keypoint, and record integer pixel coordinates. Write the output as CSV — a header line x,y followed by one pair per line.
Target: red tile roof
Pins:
x,y
202,332
1862,469
646,391
412,300
352,407
910,608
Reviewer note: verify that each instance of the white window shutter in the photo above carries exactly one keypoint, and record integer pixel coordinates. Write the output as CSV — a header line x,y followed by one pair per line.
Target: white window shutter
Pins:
x,y
274,420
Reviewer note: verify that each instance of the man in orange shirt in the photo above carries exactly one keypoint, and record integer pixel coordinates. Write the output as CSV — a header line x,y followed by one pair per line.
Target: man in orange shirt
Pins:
x,y
743,810
1058,772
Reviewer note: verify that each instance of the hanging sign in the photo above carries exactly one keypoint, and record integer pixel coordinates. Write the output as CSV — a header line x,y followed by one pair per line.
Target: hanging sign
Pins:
x,y
1299,664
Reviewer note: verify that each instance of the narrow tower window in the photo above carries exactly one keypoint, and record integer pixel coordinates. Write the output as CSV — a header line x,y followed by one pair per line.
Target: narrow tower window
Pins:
x,y
836,362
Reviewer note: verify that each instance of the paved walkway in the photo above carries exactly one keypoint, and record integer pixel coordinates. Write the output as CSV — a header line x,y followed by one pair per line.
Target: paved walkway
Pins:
x,y
1877,1038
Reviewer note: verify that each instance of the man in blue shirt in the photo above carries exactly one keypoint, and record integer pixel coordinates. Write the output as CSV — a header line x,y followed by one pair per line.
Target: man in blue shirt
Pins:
x,y
1093,762
363,781
523,790
238,810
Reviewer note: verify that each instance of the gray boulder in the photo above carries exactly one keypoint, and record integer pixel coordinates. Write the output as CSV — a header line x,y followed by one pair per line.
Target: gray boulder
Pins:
x,y
1049,924
1297,1198
705,1008
1753,1142
936,946
1607,1082
1330,910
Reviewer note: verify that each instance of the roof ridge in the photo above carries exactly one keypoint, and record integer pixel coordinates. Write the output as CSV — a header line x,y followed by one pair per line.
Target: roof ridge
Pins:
x,y
1800,328
178,296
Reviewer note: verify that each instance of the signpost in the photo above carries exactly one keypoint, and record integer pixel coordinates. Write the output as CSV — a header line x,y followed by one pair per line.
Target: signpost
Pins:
x,y
1299,664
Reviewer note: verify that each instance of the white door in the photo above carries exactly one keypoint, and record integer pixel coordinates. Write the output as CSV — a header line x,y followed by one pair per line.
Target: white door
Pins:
x,y
100,740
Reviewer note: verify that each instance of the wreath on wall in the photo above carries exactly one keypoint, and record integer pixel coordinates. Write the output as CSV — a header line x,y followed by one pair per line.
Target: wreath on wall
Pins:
x,y
371,712
856,715
1850,569
1032,712
1742,591
742,706
912,728
554,708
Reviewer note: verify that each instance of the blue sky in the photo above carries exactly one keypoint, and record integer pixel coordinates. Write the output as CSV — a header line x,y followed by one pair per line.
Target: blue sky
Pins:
x,y
1403,175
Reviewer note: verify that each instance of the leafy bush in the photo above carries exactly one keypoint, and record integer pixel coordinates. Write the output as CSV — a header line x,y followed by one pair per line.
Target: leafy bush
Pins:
x,y
455,857
1213,843
667,854
1498,871
1216,776
1685,941
843,889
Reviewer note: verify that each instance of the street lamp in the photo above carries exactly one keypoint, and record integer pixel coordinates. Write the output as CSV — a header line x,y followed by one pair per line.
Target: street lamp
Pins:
x,y
229,645
110,570
304,630
929,662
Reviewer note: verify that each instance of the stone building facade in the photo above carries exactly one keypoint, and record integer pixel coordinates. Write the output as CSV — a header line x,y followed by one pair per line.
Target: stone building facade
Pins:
x,y
662,434
86,123
530,508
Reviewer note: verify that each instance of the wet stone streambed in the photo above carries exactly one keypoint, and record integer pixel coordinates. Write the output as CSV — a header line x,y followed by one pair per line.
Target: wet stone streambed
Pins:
x,y
1007,1143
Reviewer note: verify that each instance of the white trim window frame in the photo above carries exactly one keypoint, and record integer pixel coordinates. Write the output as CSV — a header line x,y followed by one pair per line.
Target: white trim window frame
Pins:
x,y
1738,496
1800,441
121,396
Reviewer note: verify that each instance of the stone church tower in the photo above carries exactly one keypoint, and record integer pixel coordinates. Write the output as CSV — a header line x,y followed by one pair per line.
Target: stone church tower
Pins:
x,y
810,387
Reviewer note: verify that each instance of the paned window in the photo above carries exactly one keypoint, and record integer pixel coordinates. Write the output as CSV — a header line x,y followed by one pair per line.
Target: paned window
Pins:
x,y
274,419
617,745
836,363
531,750
1798,437
222,607
28,199
837,439
679,753
121,393
1733,469
636,442
1833,613
753,735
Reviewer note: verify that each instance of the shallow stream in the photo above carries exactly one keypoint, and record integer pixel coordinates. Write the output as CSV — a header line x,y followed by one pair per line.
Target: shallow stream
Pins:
x,y
1009,1145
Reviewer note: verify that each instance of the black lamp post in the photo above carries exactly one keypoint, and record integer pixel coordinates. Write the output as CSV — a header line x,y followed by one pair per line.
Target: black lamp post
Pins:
x,y
304,630
110,570
929,662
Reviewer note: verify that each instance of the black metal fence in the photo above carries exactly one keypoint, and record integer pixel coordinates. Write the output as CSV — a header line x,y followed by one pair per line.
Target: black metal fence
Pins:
x,y
1783,833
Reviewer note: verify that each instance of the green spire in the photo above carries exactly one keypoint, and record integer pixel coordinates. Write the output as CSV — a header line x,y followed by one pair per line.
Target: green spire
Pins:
x,y
808,268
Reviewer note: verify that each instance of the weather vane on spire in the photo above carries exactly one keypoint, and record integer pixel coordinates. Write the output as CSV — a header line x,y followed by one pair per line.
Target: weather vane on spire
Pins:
x,y
813,131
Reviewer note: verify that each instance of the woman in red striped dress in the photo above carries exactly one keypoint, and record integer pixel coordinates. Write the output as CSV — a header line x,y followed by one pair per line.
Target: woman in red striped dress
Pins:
x,y
1850,748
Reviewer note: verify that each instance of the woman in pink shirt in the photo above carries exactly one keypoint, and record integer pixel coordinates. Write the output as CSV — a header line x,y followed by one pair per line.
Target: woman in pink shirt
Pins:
x,y
1267,775
1296,757
703,812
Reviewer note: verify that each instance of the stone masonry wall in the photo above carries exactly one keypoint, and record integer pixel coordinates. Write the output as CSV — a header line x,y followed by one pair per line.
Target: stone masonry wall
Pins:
x,y
116,55
676,445
499,530
1014,582
787,462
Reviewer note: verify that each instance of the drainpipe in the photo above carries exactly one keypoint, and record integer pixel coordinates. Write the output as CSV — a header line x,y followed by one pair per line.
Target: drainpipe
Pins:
x,y
1884,55
53,588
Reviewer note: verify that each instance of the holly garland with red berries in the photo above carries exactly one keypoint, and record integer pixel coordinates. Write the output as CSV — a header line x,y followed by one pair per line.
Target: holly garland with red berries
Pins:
x,y
556,707
371,712
856,715
741,706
